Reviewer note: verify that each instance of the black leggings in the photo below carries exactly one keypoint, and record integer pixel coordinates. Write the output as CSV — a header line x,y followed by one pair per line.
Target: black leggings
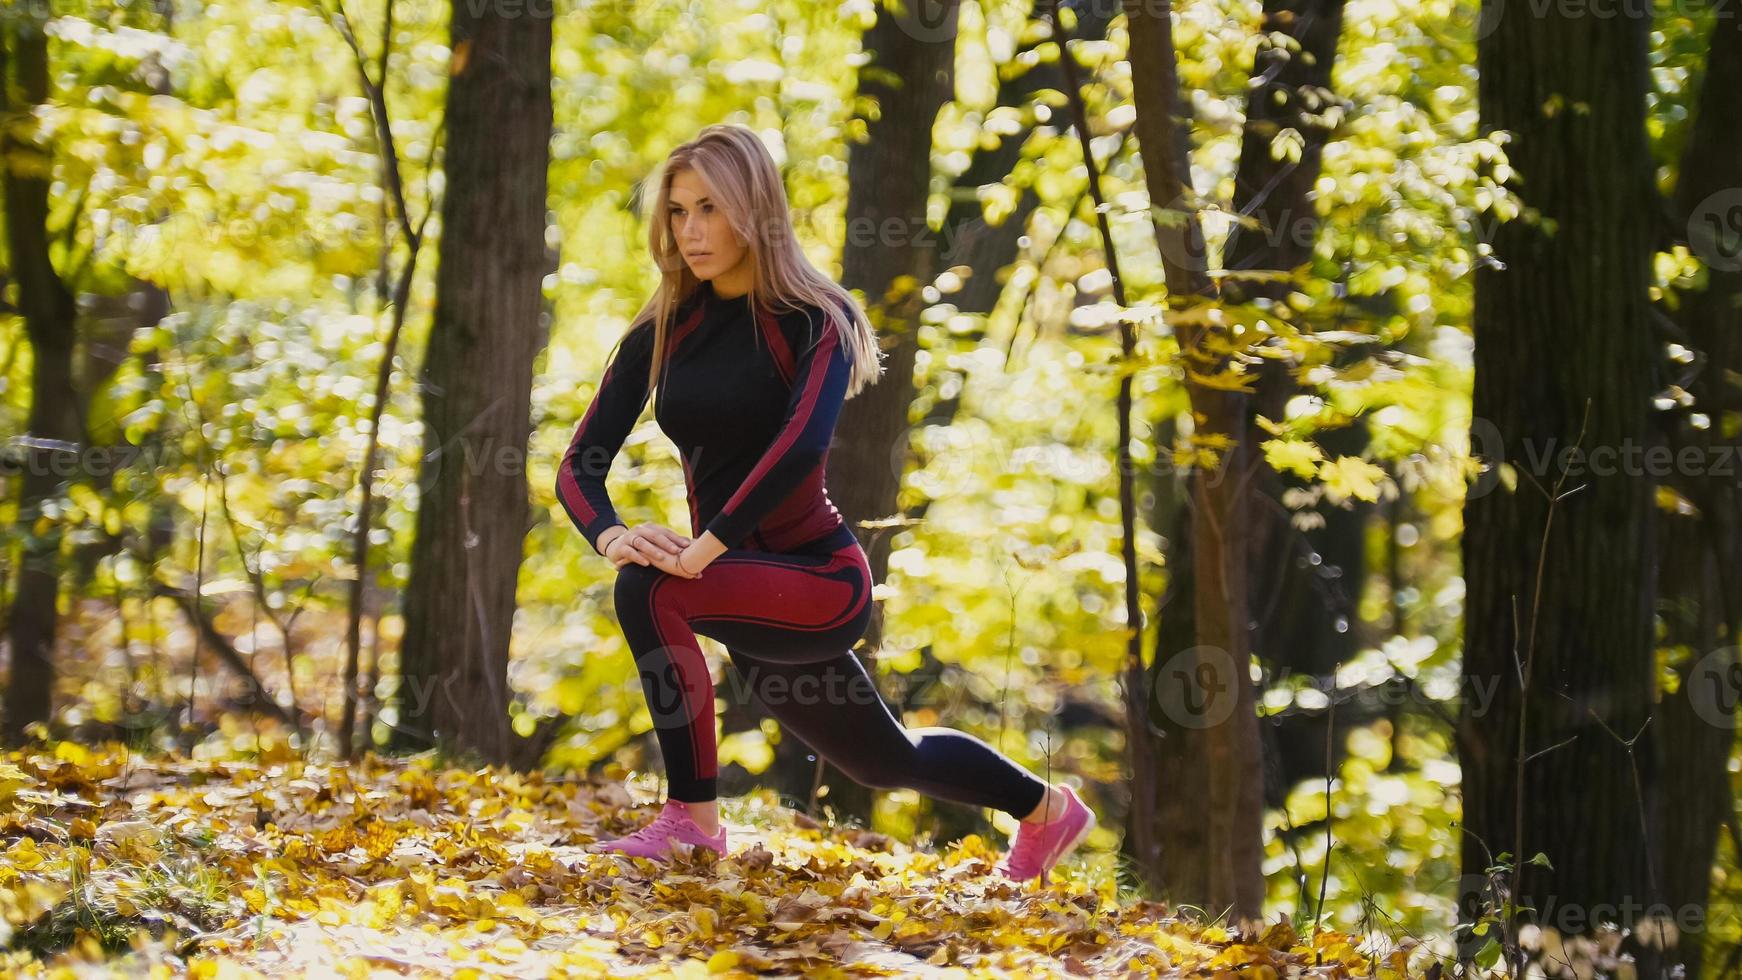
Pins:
x,y
789,621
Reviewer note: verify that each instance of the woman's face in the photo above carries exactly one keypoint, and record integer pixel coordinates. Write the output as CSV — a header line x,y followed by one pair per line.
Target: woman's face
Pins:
x,y
699,226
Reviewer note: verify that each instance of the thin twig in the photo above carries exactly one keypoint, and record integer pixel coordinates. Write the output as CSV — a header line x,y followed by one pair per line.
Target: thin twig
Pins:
x,y
1515,956
1330,771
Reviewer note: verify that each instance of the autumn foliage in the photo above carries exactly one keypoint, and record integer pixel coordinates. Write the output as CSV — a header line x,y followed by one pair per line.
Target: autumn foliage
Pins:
x,y
275,865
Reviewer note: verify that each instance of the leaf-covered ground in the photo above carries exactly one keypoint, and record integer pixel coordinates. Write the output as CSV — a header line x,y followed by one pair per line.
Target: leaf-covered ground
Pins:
x,y
223,867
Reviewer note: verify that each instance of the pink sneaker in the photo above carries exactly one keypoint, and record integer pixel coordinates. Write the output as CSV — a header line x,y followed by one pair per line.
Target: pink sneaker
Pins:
x,y
1040,846
674,824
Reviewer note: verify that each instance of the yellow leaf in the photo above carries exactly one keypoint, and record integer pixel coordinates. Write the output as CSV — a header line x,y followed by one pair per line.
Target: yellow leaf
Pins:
x,y
706,920
74,753
1295,456
1280,936
1351,476
24,856
1274,428
1231,379
12,779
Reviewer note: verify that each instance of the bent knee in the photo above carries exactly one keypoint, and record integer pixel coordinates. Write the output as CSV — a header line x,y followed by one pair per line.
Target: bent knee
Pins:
x,y
635,584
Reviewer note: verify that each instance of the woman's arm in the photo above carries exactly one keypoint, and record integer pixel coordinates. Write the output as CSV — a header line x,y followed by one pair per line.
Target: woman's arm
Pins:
x,y
580,483
701,552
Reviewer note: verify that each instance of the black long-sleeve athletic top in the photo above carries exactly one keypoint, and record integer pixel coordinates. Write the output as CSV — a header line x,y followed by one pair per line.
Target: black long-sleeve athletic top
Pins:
x,y
751,404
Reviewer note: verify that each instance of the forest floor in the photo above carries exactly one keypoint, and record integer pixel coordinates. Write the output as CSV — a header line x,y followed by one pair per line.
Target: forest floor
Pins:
x,y
111,862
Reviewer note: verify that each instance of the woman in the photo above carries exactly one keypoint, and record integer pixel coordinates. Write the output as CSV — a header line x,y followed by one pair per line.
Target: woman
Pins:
x,y
750,352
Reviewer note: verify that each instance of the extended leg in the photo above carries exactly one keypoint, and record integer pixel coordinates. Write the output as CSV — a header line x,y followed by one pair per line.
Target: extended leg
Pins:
x,y
834,707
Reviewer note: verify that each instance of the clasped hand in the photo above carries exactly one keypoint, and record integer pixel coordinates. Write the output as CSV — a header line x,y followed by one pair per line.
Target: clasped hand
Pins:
x,y
656,545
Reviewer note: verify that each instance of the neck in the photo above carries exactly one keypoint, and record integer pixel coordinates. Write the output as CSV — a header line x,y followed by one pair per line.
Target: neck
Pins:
x,y
733,284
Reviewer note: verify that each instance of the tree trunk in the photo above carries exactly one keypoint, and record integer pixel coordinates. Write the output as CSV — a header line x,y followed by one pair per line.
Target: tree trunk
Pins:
x,y
1304,584
890,253
476,383
49,322
1701,592
1564,356
1207,689
1164,834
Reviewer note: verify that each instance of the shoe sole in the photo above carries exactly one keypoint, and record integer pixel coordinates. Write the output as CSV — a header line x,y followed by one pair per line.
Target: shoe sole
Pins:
x,y
666,855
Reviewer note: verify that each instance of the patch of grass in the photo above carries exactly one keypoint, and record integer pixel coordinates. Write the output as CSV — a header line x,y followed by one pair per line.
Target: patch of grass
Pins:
x,y
183,893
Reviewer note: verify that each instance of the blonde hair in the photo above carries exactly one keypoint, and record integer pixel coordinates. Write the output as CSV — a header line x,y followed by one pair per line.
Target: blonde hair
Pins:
x,y
742,178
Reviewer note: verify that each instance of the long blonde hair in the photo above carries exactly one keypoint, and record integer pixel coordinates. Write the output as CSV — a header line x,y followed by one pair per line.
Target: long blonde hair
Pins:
x,y
742,178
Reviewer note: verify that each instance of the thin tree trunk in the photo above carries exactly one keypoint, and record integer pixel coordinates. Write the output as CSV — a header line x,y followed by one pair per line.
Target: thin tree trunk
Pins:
x,y
1296,604
49,321
1163,835
1139,752
374,88
1216,691
477,382
1303,583
891,252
